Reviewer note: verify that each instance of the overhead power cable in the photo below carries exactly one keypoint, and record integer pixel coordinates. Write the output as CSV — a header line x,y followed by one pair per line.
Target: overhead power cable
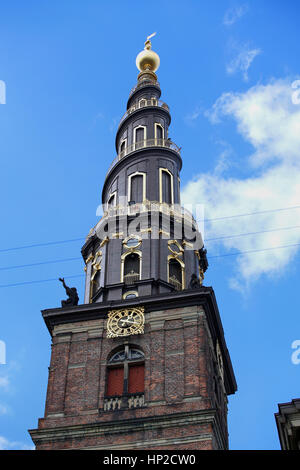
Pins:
x,y
210,257
254,251
249,213
251,233
39,281
24,247
39,264
35,245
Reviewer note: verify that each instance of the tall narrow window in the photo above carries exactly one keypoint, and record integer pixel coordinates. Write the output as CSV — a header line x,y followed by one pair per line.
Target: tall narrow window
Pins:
x,y
112,200
176,274
139,136
166,188
159,133
123,149
136,193
131,268
137,187
166,193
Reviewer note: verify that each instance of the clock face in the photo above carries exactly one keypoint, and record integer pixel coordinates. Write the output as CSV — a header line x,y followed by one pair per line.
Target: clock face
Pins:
x,y
125,322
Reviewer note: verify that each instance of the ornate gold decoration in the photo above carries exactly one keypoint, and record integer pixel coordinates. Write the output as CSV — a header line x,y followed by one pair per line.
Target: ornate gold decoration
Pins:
x,y
175,256
201,271
88,260
163,232
130,292
201,276
105,240
160,185
175,251
125,322
117,235
185,243
147,60
132,237
146,230
96,264
95,268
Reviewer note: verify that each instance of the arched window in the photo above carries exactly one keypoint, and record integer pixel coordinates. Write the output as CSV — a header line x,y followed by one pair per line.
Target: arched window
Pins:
x,y
139,134
176,273
158,133
142,102
137,187
130,295
136,193
131,268
123,148
125,379
112,200
166,193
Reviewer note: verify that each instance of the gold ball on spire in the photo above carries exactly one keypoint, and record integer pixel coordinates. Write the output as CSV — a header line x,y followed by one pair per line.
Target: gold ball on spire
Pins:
x,y
147,59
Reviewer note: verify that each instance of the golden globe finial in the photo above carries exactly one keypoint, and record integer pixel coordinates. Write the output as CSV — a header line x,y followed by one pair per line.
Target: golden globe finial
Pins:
x,y
147,59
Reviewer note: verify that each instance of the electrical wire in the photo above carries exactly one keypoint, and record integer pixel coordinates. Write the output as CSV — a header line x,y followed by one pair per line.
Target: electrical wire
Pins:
x,y
254,251
251,233
39,281
249,213
210,257
40,263
23,247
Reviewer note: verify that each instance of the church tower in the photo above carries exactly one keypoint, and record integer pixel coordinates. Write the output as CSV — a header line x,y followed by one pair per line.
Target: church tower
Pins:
x,y
142,363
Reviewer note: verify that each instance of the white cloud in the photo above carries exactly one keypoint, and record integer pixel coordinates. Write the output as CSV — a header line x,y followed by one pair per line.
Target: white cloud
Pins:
x,y
4,382
267,118
234,14
5,444
242,61
190,118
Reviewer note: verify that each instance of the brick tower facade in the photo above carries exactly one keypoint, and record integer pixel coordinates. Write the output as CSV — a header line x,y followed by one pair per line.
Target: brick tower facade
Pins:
x,y
142,363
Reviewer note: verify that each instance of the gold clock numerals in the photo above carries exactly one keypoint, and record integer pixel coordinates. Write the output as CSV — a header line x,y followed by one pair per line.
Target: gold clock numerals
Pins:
x,y
125,322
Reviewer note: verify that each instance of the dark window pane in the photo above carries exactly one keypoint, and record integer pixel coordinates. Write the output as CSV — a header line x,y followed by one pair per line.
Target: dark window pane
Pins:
x,y
132,263
166,188
118,357
159,132
131,296
139,134
136,189
175,270
135,354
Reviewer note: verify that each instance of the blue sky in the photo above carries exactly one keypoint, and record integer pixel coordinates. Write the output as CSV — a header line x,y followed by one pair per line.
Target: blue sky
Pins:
x,y
227,69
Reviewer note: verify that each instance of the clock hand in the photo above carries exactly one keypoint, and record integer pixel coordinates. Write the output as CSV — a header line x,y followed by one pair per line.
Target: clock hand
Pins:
x,y
128,321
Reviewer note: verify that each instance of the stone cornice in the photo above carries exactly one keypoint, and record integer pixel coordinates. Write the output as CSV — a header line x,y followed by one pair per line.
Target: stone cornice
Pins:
x,y
127,425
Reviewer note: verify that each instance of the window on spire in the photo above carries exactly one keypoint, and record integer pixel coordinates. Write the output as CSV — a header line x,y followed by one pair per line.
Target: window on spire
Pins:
x,y
176,274
166,186
136,190
131,268
139,137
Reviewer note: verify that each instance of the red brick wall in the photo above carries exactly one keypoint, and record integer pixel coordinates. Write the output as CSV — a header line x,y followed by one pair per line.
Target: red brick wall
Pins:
x,y
177,379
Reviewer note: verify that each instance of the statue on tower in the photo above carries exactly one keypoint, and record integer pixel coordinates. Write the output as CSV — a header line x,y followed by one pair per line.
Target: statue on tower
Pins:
x,y
194,282
71,292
